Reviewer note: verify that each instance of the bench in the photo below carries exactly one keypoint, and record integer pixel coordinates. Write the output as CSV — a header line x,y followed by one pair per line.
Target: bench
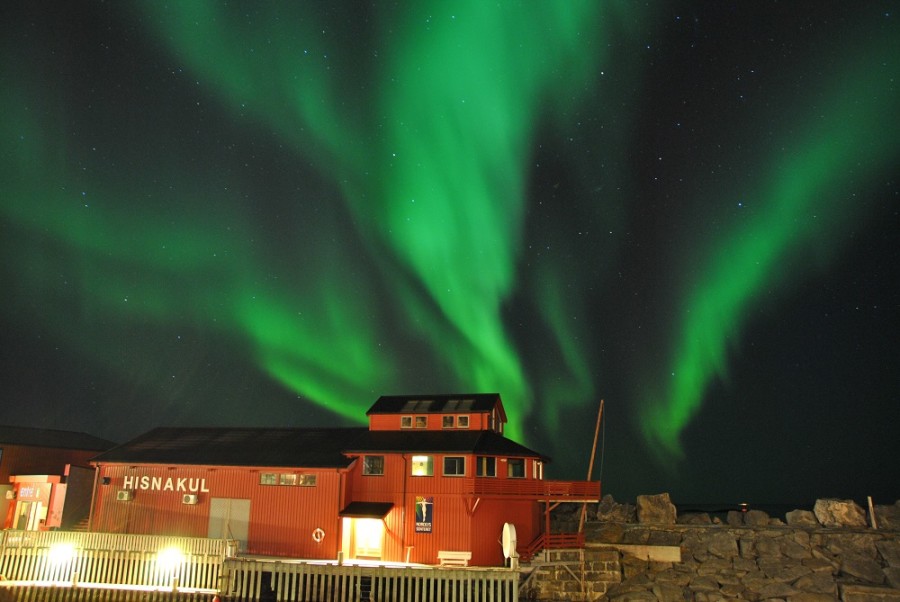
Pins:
x,y
448,558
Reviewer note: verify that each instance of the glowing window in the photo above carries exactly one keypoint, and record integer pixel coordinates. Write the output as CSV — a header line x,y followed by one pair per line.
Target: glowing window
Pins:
x,y
454,466
268,478
422,466
421,422
406,422
307,480
288,479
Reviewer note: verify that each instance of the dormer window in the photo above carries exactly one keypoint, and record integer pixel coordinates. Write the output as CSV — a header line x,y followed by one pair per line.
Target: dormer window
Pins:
x,y
406,422
421,422
448,422
462,422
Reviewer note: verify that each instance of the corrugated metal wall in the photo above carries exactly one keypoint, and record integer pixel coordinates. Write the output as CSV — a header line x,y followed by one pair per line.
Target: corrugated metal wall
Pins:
x,y
27,460
282,518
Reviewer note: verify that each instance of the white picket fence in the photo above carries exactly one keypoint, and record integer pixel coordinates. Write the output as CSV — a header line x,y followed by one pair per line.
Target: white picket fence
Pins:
x,y
251,579
80,558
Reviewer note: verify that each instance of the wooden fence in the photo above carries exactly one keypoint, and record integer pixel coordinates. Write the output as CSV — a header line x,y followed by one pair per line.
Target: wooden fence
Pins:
x,y
79,558
248,579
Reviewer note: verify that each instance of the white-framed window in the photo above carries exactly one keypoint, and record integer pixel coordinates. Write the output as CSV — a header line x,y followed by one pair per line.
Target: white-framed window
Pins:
x,y
306,480
462,422
486,466
287,479
515,468
373,465
406,422
537,470
268,478
454,466
448,422
422,466
421,422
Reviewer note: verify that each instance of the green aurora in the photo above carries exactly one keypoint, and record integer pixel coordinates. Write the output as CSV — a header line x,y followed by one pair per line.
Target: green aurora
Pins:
x,y
405,153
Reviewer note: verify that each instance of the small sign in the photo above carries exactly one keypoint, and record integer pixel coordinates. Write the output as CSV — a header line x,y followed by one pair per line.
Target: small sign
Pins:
x,y
424,514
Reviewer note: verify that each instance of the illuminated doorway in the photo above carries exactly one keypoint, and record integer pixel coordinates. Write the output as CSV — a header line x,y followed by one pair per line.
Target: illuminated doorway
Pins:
x,y
363,538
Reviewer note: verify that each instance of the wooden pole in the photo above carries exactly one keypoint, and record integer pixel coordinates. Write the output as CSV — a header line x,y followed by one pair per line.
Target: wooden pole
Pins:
x,y
590,471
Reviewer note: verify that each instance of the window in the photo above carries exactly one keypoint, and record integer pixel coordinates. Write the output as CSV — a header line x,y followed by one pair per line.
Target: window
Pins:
x,y
422,466
454,466
462,422
421,422
268,478
373,465
486,466
288,479
537,470
447,422
406,422
515,468
307,480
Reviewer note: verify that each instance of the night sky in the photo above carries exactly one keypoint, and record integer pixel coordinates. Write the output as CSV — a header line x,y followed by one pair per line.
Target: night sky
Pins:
x,y
271,213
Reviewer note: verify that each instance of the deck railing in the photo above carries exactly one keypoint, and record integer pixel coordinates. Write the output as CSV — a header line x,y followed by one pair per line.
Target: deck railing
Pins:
x,y
536,489
550,541
250,579
80,558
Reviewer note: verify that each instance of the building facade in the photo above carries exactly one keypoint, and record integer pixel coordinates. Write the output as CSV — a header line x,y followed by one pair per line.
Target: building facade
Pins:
x,y
45,477
429,474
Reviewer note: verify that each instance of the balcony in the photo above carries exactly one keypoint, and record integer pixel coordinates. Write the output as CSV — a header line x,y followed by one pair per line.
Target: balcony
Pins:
x,y
550,491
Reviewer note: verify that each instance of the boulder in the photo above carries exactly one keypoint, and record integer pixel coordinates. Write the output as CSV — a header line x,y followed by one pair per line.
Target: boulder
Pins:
x,y
861,567
694,518
655,509
801,518
839,513
865,593
890,551
888,517
756,518
608,510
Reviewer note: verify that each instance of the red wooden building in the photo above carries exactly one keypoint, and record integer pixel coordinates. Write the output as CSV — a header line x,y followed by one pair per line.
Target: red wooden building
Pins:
x,y
430,473
45,477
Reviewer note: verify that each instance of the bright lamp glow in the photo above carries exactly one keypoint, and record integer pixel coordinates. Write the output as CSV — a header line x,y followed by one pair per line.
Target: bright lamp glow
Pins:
x,y
169,559
61,552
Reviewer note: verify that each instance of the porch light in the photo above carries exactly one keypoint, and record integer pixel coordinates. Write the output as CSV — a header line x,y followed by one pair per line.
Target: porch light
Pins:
x,y
168,559
61,553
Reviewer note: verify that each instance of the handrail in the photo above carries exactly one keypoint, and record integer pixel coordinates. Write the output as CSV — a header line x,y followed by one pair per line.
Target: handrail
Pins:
x,y
535,489
551,541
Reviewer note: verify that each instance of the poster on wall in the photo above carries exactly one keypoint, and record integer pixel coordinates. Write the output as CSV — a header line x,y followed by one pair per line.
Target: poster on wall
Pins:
x,y
424,514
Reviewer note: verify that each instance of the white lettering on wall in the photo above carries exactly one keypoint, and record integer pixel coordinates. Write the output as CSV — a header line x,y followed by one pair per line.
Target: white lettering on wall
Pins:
x,y
147,483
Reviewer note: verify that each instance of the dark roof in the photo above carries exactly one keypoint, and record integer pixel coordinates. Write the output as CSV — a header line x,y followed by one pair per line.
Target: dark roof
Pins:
x,y
35,437
296,447
436,404
299,447
486,443
366,509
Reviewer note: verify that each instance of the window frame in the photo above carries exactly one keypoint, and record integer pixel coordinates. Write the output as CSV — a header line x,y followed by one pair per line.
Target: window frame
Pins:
x,y
462,422
448,421
510,462
458,462
428,465
366,469
481,465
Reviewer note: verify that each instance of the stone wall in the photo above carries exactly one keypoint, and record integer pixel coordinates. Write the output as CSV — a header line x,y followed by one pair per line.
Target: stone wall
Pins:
x,y
635,553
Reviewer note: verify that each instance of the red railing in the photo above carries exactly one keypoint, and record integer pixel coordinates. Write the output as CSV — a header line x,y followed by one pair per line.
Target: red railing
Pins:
x,y
535,489
551,541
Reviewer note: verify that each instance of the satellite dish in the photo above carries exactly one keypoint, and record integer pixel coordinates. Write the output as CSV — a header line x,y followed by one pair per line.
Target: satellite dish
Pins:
x,y
509,541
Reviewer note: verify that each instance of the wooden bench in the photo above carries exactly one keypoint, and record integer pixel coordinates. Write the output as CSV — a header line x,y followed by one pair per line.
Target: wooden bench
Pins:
x,y
450,558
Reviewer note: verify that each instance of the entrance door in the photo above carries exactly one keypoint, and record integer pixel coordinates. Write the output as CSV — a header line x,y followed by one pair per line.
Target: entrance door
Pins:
x,y
368,535
229,518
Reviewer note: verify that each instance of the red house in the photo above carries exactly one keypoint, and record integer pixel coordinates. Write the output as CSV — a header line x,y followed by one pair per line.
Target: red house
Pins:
x,y
430,474
45,477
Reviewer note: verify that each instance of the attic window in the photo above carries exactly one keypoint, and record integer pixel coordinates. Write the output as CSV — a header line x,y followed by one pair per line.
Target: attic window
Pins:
x,y
406,422
421,422
447,421
462,422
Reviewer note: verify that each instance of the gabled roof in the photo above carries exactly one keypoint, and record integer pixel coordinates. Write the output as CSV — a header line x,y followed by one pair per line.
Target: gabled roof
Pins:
x,y
36,437
295,447
454,403
299,447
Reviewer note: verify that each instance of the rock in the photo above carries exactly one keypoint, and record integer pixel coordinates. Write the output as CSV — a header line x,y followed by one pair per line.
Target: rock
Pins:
x,y
735,518
861,567
694,518
812,597
668,593
817,583
605,532
756,518
655,509
610,511
888,517
892,574
890,551
865,593
723,545
801,518
839,513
